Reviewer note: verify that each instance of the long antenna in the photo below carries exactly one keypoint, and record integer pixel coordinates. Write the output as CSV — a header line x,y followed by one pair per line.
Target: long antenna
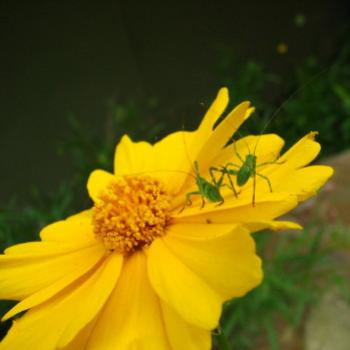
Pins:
x,y
185,145
237,131
314,77
157,171
242,138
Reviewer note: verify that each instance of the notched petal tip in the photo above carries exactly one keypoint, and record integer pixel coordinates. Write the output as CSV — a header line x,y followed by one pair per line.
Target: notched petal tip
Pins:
x,y
249,112
312,135
302,153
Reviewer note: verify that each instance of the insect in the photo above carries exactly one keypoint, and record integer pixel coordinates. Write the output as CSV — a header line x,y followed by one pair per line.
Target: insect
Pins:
x,y
246,170
207,190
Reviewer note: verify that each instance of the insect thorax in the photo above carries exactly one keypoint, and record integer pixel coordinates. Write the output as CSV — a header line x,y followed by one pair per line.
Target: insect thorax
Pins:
x,y
250,161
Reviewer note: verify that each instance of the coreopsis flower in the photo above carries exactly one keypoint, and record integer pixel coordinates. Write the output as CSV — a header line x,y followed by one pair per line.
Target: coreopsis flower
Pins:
x,y
143,269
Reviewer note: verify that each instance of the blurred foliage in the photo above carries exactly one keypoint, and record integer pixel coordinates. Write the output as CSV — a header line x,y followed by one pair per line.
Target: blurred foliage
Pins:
x,y
88,150
22,222
298,264
316,97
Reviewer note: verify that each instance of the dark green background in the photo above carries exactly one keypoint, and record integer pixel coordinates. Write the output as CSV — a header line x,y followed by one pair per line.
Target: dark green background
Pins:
x,y
59,57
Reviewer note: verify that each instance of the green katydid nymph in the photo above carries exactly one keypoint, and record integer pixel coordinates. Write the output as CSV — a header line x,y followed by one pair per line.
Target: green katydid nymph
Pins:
x,y
209,191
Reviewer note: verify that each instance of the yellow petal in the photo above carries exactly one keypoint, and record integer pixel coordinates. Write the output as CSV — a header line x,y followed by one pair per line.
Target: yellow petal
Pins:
x,y
84,265
199,231
182,289
180,332
266,148
41,249
226,262
77,229
256,218
285,168
270,206
23,275
56,322
254,226
214,112
85,214
288,174
302,153
98,292
132,317
221,135
133,157
174,160
306,181
81,339
97,183
167,160
206,149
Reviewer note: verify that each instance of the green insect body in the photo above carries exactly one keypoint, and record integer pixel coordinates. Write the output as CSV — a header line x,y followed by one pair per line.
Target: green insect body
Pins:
x,y
247,170
209,191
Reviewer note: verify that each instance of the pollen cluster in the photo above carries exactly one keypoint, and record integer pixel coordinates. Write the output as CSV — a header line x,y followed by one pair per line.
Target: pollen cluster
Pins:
x,y
131,213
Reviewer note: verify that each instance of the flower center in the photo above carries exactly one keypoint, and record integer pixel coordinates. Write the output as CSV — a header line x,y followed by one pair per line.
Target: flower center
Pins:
x,y
131,213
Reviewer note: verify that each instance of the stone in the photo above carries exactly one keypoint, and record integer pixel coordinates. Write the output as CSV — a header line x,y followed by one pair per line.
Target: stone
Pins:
x,y
328,325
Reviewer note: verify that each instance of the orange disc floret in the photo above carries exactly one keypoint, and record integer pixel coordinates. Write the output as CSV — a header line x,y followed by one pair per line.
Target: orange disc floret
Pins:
x,y
131,213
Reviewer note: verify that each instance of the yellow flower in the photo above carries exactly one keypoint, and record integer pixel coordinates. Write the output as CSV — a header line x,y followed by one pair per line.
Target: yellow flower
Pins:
x,y
134,272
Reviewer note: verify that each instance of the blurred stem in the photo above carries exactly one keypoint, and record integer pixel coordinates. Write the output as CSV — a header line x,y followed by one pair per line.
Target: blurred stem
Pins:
x,y
222,340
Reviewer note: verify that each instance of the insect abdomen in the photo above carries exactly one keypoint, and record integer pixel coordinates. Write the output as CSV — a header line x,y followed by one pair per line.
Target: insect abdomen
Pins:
x,y
212,194
243,175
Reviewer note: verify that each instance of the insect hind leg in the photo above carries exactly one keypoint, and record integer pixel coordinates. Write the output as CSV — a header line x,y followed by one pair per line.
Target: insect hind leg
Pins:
x,y
266,179
213,178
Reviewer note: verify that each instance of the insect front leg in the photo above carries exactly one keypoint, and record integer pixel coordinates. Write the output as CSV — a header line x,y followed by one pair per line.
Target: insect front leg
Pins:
x,y
234,165
188,200
229,173
213,178
270,163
